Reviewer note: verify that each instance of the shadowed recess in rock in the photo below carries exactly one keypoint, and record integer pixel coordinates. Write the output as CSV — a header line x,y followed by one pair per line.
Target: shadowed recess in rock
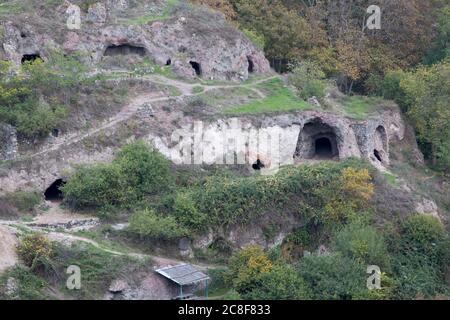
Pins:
x,y
54,193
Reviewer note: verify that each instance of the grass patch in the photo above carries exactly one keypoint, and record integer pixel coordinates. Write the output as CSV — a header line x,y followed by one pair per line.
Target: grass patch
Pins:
x,y
391,179
151,18
28,285
360,107
11,7
279,99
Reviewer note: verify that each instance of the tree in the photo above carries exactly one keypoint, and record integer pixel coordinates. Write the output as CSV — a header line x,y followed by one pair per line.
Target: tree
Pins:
x,y
307,77
144,170
429,89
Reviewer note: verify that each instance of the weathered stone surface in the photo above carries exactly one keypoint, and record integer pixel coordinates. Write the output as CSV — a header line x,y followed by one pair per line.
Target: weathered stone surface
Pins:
x,y
8,142
118,286
200,36
428,207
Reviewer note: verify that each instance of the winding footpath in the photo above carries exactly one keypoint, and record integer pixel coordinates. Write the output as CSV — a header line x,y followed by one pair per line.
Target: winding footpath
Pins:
x,y
129,110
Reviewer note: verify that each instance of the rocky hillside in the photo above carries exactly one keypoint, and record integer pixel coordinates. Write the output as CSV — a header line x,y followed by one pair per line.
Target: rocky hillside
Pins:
x,y
154,133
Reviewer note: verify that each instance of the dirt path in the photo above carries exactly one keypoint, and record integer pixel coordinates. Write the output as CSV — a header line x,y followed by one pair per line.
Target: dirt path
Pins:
x,y
8,244
186,90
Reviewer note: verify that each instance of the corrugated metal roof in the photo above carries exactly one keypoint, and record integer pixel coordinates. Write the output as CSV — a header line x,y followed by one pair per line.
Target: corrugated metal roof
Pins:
x,y
182,274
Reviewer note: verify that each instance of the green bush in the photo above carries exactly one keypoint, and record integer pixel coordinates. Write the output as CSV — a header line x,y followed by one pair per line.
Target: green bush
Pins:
x,y
417,276
144,170
362,243
94,186
334,277
282,282
35,250
28,285
422,232
307,77
187,213
148,225
221,201
138,171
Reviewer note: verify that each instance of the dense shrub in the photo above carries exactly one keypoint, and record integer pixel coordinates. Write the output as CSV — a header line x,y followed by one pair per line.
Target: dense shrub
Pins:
x,y
138,171
35,250
307,77
334,277
247,266
282,282
148,225
363,243
94,186
304,190
417,276
422,233
28,286
36,99
144,170
352,194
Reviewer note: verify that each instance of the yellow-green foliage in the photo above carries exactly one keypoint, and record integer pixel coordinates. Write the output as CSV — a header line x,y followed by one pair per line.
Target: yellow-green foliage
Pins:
x,y
352,194
35,249
247,266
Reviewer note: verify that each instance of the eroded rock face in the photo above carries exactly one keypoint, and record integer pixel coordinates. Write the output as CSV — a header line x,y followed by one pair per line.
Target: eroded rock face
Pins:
x,y
8,142
273,140
197,43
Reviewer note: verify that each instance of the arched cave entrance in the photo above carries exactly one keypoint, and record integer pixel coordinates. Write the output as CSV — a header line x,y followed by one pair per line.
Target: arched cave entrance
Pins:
x,y
197,67
323,148
168,62
258,165
30,57
251,65
124,49
53,193
317,140
380,145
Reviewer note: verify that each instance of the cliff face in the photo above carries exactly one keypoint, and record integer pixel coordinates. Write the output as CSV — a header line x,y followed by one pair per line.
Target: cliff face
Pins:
x,y
195,41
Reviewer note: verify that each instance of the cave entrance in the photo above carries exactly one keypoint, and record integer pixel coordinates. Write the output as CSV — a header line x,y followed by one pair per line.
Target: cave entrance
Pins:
x,y
124,49
377,155
196,66
30,57
258,165
251,66
323,148
54,193
168,62
317,140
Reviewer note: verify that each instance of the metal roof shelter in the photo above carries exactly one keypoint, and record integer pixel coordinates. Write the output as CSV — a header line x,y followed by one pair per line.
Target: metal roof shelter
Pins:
x,y
184,274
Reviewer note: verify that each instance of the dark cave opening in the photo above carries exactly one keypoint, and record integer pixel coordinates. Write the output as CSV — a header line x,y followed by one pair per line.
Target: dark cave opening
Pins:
x,y
258,165
323,148
251,66
196,66
55,133
53,193
124,49
169,62
30,57
377,155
